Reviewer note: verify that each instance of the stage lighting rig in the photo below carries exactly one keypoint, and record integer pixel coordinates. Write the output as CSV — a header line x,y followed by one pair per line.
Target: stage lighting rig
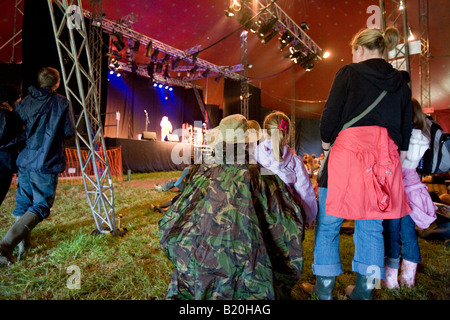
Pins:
x,y
149,49
119,43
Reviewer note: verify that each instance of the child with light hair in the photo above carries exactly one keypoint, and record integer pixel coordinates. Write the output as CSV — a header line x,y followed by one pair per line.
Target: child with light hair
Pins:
x,y
275,154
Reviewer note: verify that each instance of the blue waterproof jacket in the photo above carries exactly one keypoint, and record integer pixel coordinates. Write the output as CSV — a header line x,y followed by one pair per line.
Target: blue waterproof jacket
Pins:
x,y
11,134
48,120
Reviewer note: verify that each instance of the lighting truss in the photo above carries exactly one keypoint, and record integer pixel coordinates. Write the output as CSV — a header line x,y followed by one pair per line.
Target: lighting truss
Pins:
x,y
111,27
89,129
397,12
17,34
268,9
425,55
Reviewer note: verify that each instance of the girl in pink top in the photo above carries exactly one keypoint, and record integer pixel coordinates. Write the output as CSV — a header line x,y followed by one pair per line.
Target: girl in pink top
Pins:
x,y
274,154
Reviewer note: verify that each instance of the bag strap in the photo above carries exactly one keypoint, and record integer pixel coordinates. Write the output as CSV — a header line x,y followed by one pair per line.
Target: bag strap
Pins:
x,y
354,120
369,108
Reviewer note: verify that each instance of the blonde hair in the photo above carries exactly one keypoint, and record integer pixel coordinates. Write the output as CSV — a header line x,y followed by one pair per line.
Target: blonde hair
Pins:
x,y
375,39
278,134
419,117
48,77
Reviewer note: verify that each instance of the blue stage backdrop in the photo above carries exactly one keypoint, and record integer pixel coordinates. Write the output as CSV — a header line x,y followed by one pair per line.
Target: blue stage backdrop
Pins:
x,y
131,95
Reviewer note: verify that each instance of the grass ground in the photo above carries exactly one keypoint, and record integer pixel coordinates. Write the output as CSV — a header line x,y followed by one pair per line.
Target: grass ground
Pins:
x,y
134,267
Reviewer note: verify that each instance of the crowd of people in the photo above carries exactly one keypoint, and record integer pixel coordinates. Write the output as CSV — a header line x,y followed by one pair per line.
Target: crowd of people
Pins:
x,y
236,228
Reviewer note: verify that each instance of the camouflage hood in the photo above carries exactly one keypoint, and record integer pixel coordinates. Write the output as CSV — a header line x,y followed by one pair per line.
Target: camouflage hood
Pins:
x,y
233,234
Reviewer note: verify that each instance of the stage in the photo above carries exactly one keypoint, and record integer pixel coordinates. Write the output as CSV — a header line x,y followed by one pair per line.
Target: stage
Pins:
x,y
147,155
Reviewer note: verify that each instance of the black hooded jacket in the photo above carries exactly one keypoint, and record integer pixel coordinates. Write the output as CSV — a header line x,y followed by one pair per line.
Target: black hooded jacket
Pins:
x,y
355,87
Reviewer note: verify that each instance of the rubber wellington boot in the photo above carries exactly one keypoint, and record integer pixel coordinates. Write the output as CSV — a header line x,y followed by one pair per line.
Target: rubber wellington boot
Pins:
x,y
25,244
18,232
408,274
363,290
391,279
323,288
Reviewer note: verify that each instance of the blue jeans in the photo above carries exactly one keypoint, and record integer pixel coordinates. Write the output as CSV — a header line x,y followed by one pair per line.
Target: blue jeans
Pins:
x,y
35,193
400,235
368,258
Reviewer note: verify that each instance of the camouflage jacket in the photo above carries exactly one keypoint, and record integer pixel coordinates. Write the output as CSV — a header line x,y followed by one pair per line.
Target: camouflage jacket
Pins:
x,y
233,234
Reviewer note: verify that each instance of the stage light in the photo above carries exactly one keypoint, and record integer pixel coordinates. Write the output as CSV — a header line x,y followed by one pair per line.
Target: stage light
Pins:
x,y
111,72
151,69
118,75
166,72
119,43
229,12
326,54
170,89
149,48
155,54
205,73
194,69
160,85
166,87
166,58
137,44
304,26
155,84
159,67
265,28
269,37
175,63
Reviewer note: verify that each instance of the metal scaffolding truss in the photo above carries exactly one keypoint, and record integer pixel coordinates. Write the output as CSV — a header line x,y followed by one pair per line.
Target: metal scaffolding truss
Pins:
x,y
425,56
245,92
16,38
266,10
72,43
397,11
189,55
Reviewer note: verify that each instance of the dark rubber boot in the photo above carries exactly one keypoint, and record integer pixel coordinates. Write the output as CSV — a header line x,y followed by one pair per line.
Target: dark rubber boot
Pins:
x,y
363,290
323,288
18,232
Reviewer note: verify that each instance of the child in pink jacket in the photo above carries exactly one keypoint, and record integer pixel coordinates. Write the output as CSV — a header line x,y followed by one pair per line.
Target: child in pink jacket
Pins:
x,y
274,154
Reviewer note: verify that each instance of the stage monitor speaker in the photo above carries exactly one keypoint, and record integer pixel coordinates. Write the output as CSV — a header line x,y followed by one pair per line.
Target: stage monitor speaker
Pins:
x,y
173,138
147,135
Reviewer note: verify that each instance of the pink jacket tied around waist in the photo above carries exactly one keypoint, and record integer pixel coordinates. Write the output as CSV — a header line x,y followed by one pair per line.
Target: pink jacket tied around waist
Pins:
x,y
365,176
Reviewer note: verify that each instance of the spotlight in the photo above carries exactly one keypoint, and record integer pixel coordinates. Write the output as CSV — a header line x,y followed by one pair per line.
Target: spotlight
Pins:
x,y
111,72
166,87
326,54
304,26
229,12
149,49
194,69
265,28
137,44
159,67
160,85
118,75
170,89
175,63
155,84
166,58
269,37
205,73
155,54
119,43
151,69
166,72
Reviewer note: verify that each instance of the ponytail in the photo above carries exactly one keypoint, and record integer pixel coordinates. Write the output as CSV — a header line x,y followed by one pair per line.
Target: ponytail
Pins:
x,y
277,125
